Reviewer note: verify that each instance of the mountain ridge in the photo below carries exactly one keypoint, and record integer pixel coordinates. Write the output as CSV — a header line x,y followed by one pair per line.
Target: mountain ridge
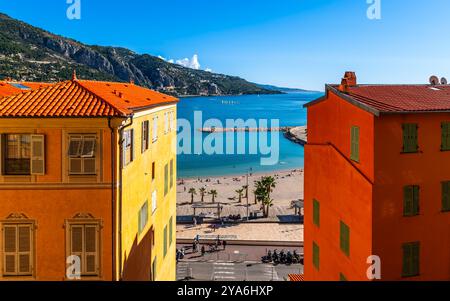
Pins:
x,y
29,53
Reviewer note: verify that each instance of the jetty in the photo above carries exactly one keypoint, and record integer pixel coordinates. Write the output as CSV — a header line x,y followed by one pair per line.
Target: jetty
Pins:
x,y
297,134
246,129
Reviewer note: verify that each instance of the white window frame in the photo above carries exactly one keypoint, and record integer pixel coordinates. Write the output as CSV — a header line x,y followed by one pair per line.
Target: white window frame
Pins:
x,y
78,155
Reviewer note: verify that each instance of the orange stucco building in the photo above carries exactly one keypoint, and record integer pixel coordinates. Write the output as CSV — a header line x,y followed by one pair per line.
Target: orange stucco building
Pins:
x,y
69,155
377,182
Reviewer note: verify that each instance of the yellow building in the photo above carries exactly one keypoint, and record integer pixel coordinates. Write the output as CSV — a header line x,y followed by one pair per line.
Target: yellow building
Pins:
x,y
87,169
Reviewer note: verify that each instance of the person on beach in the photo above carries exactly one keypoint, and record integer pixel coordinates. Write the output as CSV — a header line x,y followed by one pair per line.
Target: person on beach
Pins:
x,y
224,243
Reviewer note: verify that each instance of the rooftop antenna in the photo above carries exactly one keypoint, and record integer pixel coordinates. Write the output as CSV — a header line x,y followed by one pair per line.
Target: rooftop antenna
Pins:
x,y
434,80
444,81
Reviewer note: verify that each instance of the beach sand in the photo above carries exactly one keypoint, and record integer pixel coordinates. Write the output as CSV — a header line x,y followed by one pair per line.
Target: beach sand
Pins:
x,y
289,187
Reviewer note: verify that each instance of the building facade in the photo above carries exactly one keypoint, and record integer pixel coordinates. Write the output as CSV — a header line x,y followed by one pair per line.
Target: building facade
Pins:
x,y
81,162
376,183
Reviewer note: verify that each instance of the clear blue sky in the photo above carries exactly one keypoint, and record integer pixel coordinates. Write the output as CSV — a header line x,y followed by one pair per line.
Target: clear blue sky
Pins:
x,y
296,43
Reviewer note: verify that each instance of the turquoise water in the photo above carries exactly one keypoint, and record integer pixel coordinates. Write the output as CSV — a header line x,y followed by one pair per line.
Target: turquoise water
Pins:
x,y
287,108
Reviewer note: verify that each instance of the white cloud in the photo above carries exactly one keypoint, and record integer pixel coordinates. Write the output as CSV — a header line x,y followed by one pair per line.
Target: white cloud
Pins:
x,y
208,70
192,63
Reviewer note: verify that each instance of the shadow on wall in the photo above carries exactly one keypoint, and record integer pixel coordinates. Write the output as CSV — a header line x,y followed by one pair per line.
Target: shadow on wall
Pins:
x,y
138,264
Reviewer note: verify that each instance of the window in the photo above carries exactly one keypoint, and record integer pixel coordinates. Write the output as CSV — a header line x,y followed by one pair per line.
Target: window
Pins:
x,y
18,245
82,154
145,136
154,203
410,144
316,213
345,238
166,123
143,217
171,121
166,179
411,255
342,277
153,170
155,260
445,196
165,241
171,173
128,147
354,153
445,144
316,256
24,154
155,129
170,231
411,200
84,242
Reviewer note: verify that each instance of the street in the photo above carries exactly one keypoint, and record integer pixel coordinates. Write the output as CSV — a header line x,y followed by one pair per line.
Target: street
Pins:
x,y
232,271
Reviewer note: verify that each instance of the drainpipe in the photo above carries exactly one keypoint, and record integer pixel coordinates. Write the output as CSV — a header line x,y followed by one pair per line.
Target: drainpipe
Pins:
x,y
113,197
120,130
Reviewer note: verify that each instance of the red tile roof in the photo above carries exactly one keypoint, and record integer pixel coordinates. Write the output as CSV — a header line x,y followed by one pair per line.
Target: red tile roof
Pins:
x,y
401,98
296,277
8,88
80,98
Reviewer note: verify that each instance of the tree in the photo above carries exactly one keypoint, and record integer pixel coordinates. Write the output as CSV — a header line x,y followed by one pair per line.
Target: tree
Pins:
x,y
270,183
202,193
245,187
213,194
240,193
260,194
192,192
267,203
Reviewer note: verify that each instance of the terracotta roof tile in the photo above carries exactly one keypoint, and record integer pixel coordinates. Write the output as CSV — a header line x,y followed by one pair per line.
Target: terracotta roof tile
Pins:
x,y
402,98
79,98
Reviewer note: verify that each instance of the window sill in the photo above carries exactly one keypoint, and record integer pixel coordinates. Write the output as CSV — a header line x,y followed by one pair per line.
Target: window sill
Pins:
x,y
416,152
412,215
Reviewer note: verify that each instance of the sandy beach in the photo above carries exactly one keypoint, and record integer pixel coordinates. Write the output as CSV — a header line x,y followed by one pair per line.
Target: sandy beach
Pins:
x,y
289,187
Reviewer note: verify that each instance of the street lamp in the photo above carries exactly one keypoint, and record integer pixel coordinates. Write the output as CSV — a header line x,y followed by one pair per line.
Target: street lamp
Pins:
x,y
246,192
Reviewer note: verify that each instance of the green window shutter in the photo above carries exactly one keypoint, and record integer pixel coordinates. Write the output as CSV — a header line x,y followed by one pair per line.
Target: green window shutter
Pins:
x,y
316,213
345,238
416,194
445,196
316,256
166,179
415,267
354,149
410,143
411,259
406,260
165,241
445,129
407,200
411,200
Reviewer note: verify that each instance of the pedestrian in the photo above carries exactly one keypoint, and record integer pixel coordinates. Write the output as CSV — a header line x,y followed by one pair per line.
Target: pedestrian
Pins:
x,y
224,244
194,247
195,221
203,251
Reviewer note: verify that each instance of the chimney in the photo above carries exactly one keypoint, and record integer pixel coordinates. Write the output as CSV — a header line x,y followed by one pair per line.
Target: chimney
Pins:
x,y
349,80
74,74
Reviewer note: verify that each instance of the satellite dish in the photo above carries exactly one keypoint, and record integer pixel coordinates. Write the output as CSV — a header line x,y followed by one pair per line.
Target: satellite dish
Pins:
x,y
434,80
444,81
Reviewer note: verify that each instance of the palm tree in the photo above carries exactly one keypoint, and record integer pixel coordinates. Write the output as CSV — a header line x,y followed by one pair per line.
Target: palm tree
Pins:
x,y
193,192
267,202
213,194
270,183
261,194
202,193
240,193
245,187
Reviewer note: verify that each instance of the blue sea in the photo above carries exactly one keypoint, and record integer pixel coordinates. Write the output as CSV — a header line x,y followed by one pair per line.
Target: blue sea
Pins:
x,y
287,108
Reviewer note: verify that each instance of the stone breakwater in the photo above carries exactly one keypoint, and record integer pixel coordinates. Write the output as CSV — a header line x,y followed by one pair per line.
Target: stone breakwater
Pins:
x,y
223,130
297,134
